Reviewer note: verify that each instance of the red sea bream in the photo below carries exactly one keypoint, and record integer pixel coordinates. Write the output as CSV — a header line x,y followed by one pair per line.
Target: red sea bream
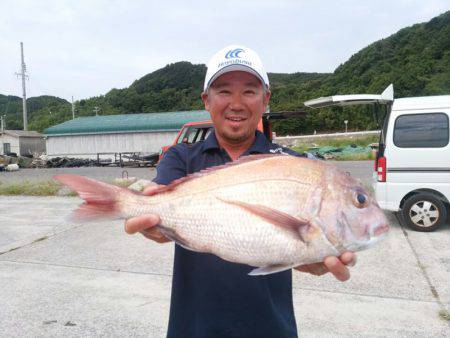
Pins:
x,y
273,212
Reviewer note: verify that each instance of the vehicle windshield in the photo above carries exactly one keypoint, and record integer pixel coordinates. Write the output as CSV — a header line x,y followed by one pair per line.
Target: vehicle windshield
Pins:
x,y
183,135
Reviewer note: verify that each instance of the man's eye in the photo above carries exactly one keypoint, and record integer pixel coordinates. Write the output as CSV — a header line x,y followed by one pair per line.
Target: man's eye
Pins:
x,y
224,92
249,92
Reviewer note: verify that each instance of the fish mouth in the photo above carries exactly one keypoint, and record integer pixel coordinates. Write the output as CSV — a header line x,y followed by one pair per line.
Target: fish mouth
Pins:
x,y
353,242
379,233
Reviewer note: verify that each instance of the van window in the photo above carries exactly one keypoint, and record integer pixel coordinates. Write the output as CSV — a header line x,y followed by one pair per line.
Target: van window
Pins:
x,y
421,130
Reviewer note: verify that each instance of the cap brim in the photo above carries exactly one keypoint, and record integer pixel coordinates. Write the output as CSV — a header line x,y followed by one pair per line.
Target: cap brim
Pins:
x,y
234,68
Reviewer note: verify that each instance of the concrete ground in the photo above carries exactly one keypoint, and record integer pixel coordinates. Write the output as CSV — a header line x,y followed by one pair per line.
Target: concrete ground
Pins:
x,y
63,279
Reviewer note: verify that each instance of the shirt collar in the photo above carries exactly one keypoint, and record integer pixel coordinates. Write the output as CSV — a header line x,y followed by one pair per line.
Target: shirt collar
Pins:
x,y
260,146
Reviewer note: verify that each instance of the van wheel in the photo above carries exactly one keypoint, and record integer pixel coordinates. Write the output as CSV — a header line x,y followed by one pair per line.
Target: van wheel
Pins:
x,y
424,212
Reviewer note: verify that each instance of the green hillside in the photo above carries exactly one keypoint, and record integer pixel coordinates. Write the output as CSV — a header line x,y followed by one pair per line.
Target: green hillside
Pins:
x,y
416,60
37,108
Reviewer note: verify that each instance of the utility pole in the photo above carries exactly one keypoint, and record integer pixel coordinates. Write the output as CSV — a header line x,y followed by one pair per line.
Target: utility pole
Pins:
x,y
24,95
3,123
73,109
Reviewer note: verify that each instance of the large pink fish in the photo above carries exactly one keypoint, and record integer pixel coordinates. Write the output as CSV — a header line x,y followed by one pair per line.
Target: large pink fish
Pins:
x,y
272,212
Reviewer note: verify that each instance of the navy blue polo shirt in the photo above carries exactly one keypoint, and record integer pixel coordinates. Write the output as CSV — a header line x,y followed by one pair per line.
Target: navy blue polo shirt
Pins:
x,y
213,298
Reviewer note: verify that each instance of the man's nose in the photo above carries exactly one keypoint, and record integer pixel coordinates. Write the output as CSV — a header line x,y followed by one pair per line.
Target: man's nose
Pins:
x,y
236,103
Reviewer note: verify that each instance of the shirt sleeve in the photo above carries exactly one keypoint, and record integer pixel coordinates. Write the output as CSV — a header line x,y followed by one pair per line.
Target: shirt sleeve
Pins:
x,y
172,166
292,152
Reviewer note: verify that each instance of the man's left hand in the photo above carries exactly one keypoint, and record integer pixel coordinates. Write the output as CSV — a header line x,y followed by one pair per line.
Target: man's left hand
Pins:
x,y
336,265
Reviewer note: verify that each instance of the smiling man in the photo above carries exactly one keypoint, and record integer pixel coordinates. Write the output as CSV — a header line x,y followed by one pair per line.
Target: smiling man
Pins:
x,y
212,297
236,101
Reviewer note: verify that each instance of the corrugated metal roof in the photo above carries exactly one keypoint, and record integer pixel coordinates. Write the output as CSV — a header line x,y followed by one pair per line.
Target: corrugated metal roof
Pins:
x,y
127,123
21,133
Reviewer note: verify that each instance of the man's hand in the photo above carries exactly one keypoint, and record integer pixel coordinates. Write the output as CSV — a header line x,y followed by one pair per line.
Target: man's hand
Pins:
x,y
337,266
145,224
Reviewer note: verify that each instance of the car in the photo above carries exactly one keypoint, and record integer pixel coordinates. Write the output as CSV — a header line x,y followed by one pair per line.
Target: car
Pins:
x,y
412,166
191,132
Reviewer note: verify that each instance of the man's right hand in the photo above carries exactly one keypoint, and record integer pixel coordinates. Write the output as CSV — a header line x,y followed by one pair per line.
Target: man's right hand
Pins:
x,y
145,224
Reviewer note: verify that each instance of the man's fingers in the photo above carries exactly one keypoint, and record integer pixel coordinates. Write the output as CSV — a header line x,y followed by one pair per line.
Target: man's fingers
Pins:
x,y
151,189
140,223
337,268
317,269
154,234
348,258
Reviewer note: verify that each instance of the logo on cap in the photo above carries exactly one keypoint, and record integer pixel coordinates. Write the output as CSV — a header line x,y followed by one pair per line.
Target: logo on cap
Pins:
x,y
233,53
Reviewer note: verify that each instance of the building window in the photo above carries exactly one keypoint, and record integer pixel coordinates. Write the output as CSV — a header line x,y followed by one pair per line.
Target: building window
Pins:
x,y
6,148
421,131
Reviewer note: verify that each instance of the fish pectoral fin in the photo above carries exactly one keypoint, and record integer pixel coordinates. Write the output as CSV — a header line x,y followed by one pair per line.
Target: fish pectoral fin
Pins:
x,y
296,225
266,270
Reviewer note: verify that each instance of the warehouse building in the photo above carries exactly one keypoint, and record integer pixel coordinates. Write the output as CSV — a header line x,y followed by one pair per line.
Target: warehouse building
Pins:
x,y
86,137
21,143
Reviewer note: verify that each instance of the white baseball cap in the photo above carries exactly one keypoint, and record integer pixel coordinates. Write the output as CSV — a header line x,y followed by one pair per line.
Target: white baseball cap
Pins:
x,y
235,58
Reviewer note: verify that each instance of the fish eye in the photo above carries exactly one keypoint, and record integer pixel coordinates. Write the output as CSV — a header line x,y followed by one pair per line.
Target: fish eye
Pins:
x,y
360,200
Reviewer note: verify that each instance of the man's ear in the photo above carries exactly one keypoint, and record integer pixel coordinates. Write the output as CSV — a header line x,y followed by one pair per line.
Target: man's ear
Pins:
x,y
267,97
205,100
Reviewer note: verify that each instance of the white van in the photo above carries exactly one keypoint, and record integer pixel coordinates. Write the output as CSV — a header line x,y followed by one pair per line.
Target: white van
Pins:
x,y
413,162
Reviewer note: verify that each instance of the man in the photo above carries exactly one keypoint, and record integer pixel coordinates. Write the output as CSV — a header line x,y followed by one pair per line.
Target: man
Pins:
x,y
212,297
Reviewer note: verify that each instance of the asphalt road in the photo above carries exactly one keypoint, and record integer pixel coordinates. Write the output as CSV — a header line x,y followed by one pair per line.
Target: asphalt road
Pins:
x,y
61,279
360,169
98,173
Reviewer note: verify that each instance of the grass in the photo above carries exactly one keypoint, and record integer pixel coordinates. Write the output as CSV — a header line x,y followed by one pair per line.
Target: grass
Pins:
x,y
41,188
45,188
364,141
355,157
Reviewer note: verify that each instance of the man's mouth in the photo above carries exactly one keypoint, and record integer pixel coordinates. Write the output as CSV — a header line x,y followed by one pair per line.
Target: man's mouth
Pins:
x,y
236,118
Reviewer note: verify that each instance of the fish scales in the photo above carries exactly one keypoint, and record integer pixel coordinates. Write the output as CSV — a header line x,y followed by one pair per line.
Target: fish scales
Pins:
x,y
287,195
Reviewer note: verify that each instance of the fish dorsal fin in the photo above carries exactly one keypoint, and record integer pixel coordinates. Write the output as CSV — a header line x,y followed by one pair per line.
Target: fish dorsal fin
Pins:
x,y
297,226
210,170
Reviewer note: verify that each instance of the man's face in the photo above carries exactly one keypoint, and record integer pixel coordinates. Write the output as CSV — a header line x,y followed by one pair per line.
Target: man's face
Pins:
x,y
236,101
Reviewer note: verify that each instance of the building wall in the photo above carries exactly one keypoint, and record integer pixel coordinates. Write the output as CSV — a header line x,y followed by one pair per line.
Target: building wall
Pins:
x,y
88,146
13,141
32,145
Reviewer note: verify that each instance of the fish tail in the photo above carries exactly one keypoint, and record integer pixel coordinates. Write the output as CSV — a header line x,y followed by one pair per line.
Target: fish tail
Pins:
x,y
102,200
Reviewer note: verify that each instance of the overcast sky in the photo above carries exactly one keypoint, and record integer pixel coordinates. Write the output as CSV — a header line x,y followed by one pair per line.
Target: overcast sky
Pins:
x,y
85,48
